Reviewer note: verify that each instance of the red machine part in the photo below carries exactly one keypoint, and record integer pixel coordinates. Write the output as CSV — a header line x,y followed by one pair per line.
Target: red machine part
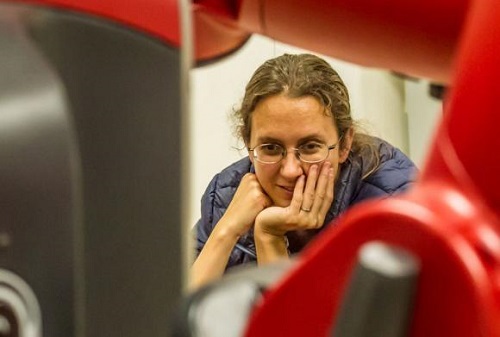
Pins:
x,y
472,108
215,26
216,31
455,241
449,220
412,37
159,18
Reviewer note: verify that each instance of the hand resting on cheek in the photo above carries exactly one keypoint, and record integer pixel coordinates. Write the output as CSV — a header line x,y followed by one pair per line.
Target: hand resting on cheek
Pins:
x,y
312,198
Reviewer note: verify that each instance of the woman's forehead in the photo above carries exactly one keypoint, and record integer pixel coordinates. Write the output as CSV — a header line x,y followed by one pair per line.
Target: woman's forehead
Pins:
x,y
283,107
282,117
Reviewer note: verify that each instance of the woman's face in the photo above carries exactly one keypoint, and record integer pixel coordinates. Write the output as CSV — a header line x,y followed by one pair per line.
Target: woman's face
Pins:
x,y
291,122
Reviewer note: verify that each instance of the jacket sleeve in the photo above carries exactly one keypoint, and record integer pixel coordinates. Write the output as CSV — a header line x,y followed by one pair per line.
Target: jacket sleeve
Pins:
x,y
213,205
206,223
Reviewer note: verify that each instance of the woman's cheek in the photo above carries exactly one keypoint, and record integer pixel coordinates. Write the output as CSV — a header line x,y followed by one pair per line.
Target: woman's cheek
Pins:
x,y
264,174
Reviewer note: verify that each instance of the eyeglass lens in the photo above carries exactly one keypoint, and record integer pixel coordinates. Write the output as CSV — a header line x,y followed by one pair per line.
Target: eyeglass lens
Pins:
x,y
273,153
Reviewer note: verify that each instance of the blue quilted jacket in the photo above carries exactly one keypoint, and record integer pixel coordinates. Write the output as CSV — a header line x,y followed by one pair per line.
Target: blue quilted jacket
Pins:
x,y
395,174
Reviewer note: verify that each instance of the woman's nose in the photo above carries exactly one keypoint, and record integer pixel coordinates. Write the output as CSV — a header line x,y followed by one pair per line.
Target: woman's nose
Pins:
x,y
291,166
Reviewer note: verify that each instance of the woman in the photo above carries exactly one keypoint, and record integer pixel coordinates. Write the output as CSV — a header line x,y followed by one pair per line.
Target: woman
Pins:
x,y
306,164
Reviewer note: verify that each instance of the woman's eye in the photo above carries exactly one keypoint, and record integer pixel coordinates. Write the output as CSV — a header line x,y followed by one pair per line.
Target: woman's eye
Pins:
x,y
271,148
311,147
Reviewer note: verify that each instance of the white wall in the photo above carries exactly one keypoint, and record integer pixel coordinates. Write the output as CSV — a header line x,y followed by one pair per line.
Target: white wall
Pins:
x,y
424,115
377,99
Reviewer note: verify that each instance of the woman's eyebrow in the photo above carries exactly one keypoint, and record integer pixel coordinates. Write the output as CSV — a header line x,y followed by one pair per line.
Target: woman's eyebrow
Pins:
x,y
312,137
308,138
266,139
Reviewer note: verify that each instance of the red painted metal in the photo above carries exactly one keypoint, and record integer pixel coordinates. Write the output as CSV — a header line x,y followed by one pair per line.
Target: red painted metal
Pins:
x,y
416,38
159,18
456,241
449,220
412,37
216,31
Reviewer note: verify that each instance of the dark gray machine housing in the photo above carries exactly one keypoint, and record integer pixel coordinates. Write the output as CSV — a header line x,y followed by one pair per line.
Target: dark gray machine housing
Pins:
x,y
90,176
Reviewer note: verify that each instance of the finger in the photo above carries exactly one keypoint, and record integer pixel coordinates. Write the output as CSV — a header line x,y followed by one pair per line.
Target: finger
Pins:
x,y
298,195
329,195
310,188
321,186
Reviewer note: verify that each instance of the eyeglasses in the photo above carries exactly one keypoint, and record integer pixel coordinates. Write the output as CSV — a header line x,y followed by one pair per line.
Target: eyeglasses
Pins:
x,y
310,152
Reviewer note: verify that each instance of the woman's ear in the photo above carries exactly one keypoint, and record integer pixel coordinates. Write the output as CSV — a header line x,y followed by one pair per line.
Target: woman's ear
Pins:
x,y
346,145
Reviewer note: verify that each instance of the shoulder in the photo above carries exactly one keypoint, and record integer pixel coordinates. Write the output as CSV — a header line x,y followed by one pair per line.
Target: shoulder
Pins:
x,y
377,170
232,175
394,173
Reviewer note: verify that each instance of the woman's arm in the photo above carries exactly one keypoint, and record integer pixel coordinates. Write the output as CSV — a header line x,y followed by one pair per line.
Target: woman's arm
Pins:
x,y
212,260
248,201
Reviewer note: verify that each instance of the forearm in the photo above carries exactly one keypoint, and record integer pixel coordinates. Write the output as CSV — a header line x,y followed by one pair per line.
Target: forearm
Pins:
x,y
213,258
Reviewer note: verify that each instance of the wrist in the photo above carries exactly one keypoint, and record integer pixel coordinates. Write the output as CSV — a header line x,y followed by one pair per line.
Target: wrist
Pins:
x,y
224,230
270,247
267,236
265,228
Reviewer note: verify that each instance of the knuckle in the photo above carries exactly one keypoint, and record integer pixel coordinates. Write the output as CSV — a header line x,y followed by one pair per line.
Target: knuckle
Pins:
x,y
249,177
319,221
256,194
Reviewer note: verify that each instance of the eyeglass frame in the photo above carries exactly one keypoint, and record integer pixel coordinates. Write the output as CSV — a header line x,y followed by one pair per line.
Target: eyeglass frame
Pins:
x,y
297,154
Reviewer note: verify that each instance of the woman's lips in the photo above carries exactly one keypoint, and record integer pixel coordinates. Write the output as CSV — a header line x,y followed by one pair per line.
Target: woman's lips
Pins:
x,y
287,191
